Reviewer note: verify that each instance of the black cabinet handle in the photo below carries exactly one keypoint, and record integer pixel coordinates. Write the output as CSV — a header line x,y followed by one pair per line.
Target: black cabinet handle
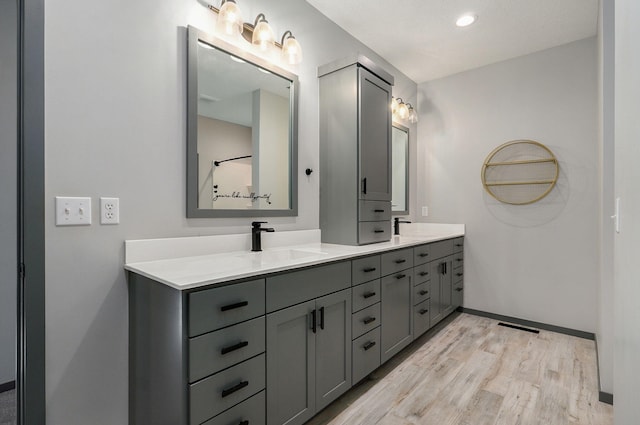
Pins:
x,y
368,294
313,321
401,276
364,185
369,345
423,292
234,306
322,318
458,259
368,320
401,261
378,211
458,289
235,388
458,244
423,311
229,349
424,273
378,231
458,274
424,254
369,269
244,423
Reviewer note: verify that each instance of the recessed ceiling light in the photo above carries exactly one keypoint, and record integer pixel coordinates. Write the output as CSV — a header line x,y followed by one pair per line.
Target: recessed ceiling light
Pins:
x,y
466,20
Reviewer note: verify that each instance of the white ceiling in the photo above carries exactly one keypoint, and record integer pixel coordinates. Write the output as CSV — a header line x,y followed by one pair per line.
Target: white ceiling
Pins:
x,y
420,38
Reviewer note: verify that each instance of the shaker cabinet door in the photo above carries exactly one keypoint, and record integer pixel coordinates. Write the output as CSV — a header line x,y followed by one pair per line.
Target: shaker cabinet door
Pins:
x,y
397,313
291,365
375,137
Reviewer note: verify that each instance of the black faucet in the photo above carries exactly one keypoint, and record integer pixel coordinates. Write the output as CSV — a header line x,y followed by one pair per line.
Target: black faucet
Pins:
x,y
396,225
256,243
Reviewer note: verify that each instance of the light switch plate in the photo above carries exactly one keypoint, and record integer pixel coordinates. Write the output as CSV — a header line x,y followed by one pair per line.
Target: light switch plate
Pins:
x,y
73,211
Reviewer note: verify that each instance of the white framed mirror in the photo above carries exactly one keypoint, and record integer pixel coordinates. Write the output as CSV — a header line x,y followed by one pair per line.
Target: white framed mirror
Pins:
x,y
399,170
241,132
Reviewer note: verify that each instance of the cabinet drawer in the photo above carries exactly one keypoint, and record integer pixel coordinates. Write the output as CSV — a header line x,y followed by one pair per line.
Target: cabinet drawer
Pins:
x,y
458,260
219,392
365,269
250,412
457,296
374,210
374,231
421,292
441,249
365,295
218,350
421,318
421,254
397,260
296,287
458,244
216,308
458,275
365,320
421,274
366,355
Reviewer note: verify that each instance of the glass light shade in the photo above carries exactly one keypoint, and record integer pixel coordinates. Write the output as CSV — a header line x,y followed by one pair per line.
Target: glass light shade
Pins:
x,y
394,105
263,35
291,51
413,115
229,18
403,111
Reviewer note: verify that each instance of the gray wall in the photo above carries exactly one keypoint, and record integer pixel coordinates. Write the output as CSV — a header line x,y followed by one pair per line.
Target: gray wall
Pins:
x,y
538,262
627,176
8,187
115,107
605,329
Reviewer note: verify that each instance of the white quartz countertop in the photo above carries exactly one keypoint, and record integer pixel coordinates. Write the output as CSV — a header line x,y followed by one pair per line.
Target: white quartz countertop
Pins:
x,y
150,258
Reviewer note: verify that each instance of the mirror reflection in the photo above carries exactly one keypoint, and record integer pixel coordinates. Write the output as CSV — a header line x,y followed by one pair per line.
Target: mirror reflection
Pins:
x,y
244,128
400,169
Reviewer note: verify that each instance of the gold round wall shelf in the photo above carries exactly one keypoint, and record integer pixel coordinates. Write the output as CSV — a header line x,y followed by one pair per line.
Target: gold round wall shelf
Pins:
x,y
520,172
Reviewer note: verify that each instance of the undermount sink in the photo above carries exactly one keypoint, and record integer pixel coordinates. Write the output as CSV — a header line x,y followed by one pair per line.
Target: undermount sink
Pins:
x,y
275,256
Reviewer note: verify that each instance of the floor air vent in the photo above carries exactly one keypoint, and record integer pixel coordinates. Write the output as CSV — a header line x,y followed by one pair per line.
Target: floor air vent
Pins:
x,y
508,325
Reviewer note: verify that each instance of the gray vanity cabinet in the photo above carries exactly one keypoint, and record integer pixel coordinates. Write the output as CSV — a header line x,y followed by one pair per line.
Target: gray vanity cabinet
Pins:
x,y
458,273
355,152
308,344
396,329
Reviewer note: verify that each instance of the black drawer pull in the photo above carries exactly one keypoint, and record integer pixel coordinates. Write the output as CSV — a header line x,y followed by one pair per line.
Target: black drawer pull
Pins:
x,y
424,254
368,294
369,345
458,244
234,306
458,259
229,349
378,231
378,211
368,320
401,276
400,261
423,292
424,273
423,311
244,423
459,289
369,269
458,274
235,388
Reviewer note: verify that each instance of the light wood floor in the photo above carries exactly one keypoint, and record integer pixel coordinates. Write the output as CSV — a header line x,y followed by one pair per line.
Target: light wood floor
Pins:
x,y
470,371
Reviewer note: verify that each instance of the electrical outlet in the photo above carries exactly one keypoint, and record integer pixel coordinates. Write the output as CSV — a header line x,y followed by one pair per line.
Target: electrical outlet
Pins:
x,y
73,211
109,210
425,211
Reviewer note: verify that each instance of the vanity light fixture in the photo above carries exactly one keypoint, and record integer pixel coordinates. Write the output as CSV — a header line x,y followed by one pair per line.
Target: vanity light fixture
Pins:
x,y
263,35
229,18
402,111
291,50
413,115
466,20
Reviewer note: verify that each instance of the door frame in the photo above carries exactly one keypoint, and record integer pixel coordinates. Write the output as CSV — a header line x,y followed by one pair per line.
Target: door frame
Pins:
x,y
30,380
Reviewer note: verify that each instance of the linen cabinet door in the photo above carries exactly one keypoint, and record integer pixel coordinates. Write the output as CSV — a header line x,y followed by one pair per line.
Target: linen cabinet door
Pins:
x,y
396,328
333,347
291,365
375,137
